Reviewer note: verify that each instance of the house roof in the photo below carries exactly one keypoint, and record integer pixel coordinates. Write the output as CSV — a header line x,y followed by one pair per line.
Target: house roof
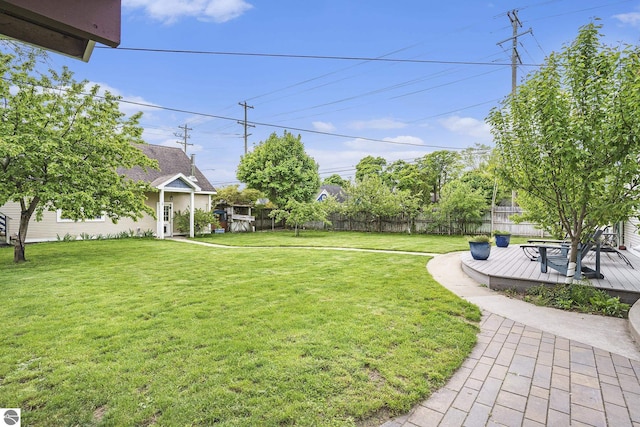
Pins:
x,y
172,161
332,190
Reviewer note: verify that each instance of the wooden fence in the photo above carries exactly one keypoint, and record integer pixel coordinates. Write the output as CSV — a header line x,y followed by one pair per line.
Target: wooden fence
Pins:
x,y
499,219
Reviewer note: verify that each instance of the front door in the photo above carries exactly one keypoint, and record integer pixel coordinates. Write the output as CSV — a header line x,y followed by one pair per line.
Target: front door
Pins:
x,y
167,220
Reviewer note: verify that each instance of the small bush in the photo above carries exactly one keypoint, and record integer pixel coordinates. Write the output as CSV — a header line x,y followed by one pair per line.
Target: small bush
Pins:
x,y
577,297
499,232
479,239
201,219
66,238
123,235
148,233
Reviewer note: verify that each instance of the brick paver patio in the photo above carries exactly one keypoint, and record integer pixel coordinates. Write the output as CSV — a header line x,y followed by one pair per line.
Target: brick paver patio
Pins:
x,y
521,376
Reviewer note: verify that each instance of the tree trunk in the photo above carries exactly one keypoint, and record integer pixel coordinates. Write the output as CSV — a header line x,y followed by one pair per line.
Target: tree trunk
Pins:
x,y
573,258
18,251
25,216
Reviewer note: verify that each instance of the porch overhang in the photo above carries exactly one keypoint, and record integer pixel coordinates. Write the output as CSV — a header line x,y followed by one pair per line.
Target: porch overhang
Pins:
x,y
178,183
70,27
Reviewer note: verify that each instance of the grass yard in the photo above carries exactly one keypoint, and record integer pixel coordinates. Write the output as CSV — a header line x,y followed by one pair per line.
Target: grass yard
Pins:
x,y
344,239
141,332
348,239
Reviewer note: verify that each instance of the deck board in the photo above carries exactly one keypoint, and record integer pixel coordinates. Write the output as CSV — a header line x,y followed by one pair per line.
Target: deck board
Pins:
x,y
511,264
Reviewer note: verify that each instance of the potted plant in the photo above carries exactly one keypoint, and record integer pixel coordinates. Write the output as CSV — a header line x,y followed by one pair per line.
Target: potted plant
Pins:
x,y
502,238
480,247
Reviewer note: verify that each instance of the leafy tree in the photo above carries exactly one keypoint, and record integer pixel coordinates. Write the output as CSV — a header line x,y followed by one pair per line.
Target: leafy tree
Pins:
x,y
439,168
335,179
405,176
61,146
297,213
370,166
569,138
374,199
483,182
476,157
462,205
232,195
280,168
201,220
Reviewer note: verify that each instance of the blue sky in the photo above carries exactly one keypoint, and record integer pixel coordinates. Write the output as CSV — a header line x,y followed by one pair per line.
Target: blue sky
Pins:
x,y
414,107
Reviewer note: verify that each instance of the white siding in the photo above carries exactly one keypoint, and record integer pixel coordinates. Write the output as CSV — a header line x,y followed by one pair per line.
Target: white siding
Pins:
x,y
631,238
49,229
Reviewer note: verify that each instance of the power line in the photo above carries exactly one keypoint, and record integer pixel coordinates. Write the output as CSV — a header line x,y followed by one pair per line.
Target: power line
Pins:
x,y
326,74
142,104
179,110
296,56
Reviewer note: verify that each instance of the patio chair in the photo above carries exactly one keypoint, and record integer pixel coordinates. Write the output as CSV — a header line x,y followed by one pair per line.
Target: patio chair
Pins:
x,y
609,246
553,246
561,262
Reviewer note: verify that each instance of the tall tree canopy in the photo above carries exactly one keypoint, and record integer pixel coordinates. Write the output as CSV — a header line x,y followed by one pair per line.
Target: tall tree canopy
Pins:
x,y
233,195
281,169
335,179
372,197
439,168
61,146
370,165
569,138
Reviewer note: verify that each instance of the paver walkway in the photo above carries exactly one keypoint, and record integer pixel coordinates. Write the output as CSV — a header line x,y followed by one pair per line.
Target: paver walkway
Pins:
x,y
520,376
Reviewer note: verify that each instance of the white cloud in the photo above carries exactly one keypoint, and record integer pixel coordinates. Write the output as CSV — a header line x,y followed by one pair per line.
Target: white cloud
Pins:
x,y
169,11
467,126
631,18
324,126
383,124
135,104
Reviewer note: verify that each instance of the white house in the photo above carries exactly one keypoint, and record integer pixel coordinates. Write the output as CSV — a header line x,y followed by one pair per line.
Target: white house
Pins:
x,y
179,186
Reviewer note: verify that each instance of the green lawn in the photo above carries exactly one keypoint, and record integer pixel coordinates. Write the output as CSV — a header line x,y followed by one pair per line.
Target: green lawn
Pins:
x,y
385,241
146,332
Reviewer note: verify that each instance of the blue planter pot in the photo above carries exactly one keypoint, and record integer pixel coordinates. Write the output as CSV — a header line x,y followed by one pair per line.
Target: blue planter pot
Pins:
x,y
502,240
480,250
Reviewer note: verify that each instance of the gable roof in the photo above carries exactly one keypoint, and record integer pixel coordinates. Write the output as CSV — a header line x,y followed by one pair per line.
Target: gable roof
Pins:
x,y
332,190
172,161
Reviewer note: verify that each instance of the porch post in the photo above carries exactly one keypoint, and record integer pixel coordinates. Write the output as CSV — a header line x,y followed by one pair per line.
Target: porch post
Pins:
x,y
160,216
191,213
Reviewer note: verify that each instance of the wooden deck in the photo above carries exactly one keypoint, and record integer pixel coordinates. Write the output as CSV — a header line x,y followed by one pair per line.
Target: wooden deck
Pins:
x,y
509,268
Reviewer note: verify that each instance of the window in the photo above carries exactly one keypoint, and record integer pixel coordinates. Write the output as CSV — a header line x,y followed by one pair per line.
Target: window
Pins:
x,y
61,218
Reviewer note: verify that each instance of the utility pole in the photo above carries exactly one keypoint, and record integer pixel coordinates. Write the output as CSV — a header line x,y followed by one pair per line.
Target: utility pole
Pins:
x,y
515,60
184,136
515,56
245,123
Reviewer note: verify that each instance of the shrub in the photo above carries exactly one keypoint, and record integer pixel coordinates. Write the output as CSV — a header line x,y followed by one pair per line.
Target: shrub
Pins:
x,y
66,238
577,297
482,238
201,220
